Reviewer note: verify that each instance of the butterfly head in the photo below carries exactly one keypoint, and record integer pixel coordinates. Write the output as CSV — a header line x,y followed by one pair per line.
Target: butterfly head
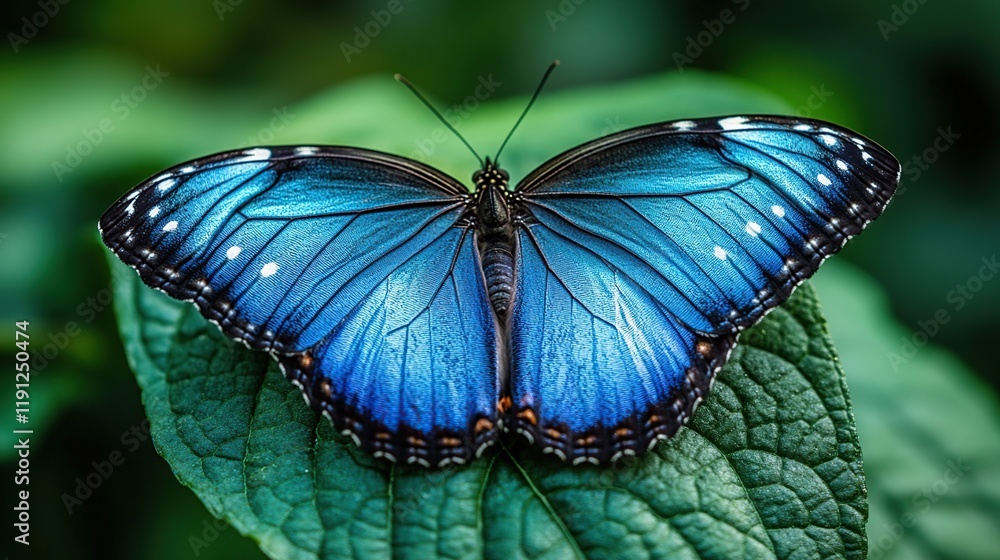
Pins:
x,y
491,195
489,176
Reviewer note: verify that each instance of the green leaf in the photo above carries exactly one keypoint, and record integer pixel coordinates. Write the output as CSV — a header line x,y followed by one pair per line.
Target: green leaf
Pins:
x,y
769,467
929,426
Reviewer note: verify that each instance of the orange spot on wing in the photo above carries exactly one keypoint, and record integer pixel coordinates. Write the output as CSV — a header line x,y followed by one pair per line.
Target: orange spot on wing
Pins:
x,y
483,425
504,404
528,416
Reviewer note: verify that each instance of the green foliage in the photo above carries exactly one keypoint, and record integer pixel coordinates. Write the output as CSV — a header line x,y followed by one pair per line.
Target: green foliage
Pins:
x,y
929,428
233,67
770,466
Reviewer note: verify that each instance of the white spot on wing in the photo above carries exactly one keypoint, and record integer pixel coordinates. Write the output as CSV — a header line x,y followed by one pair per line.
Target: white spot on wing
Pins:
x,y
233,252
256,154
720,252
733,123
154,212
778,211
841,165
269,269
824,180
866,156
803,127
187,169
165,185
130,208
305,151
828,140
684,125
171,225
753,228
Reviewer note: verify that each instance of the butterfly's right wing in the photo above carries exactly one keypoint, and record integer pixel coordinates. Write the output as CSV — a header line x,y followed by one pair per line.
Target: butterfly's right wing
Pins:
x,y
641,256
356,269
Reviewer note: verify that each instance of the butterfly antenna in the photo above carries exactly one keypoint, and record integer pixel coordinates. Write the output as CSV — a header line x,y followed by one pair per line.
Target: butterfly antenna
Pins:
x,y
538,90
444,121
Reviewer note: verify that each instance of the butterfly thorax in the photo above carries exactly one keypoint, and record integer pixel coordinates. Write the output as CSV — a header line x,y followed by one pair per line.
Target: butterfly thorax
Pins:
x,y
495,234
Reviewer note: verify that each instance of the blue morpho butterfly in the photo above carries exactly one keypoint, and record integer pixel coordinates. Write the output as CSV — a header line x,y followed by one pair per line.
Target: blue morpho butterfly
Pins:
x,y
588,308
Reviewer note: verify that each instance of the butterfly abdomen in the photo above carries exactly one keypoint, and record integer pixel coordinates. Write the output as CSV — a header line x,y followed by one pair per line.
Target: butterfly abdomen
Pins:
x,y
498,264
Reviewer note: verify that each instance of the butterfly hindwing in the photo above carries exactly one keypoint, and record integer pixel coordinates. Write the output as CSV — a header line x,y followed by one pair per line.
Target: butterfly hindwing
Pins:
x,y
644,253
600,367
354,268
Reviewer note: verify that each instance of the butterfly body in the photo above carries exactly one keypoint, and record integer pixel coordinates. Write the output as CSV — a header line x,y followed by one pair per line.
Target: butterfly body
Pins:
x,y
587,308
496,233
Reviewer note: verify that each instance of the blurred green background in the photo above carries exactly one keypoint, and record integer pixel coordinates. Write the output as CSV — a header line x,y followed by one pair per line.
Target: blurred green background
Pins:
x,y
96,96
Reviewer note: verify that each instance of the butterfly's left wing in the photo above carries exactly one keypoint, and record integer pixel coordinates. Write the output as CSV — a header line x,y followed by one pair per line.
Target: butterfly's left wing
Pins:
x,y
641,255
356,269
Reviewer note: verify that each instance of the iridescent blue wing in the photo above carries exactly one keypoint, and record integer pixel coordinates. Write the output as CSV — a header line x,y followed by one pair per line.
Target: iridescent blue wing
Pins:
x,y
356,269
641,256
